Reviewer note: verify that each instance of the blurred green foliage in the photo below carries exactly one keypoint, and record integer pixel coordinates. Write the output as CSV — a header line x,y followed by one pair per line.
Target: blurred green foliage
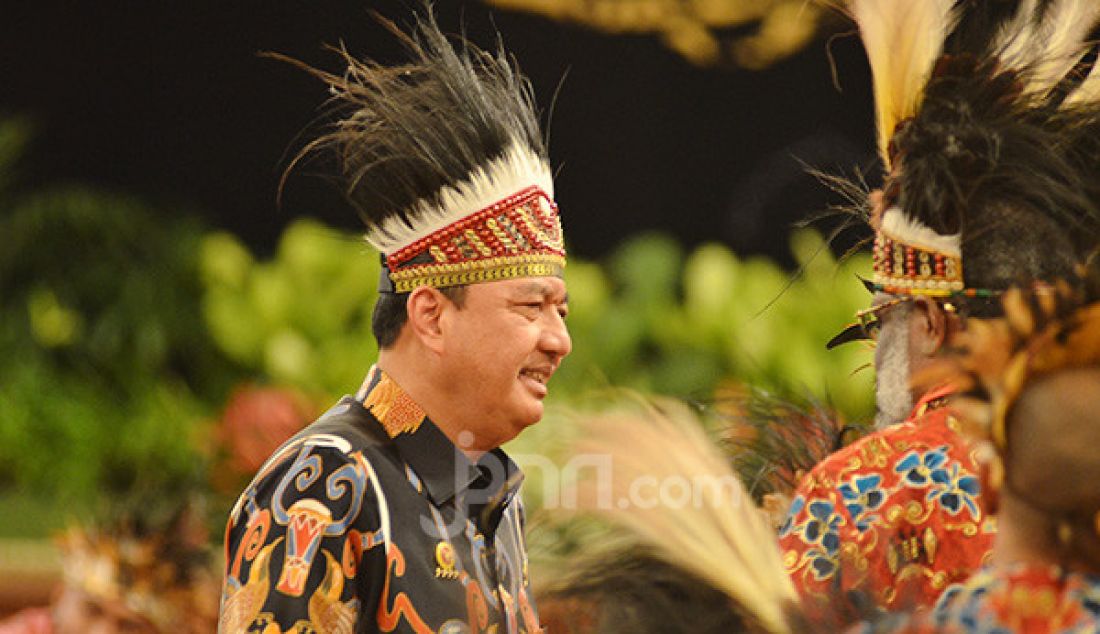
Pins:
x,y
123,329
106,364
301,319
651,317
657,319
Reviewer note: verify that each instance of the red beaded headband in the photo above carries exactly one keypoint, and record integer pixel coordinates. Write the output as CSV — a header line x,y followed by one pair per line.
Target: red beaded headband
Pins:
x,y
519,236
901,268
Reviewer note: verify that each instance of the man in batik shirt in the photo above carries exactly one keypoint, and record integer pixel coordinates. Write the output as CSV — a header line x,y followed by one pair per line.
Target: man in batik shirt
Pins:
x,y
982,191
396,511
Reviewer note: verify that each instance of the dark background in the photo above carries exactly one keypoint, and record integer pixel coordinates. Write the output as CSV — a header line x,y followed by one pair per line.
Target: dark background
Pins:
x,y
170,101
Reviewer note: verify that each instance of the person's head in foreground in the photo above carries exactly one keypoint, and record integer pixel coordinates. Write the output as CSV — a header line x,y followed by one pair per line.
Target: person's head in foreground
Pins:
x,y
1031,383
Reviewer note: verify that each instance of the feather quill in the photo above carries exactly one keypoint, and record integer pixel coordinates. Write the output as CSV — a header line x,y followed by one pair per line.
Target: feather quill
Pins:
x,y
1088,92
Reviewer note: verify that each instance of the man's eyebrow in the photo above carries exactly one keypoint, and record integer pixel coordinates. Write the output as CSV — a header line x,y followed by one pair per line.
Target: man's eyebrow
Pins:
x,y
535,288
542,289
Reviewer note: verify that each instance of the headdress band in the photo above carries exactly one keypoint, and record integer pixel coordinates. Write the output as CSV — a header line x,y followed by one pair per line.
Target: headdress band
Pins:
x,y
519,236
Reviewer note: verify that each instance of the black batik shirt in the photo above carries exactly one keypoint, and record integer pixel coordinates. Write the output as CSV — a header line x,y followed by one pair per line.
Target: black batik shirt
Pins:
x,y
370,520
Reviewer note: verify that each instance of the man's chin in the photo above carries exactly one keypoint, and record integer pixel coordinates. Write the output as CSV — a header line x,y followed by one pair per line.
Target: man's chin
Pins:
x,y
532,416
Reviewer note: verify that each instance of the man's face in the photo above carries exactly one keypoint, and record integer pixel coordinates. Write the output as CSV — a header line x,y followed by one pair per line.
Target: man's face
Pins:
x,y
892,395
500,350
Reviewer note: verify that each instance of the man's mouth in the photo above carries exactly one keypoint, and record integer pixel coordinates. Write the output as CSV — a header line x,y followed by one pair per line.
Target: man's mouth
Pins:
x,y
536,379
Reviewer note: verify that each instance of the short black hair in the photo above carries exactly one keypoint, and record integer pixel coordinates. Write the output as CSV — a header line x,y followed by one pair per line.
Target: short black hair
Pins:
x,y
391,313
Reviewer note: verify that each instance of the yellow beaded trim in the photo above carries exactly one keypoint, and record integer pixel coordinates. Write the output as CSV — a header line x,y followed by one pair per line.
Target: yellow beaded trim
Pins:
x,y
487,270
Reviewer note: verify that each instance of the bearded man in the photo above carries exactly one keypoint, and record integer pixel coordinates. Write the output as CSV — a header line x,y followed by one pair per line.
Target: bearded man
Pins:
x,y
987,185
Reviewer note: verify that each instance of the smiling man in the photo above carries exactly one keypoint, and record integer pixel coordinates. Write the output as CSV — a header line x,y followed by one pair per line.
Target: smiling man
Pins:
x,y
397,511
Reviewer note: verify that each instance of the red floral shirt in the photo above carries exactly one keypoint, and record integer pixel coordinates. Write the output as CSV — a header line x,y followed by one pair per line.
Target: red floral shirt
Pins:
x,y
1004,600
896,515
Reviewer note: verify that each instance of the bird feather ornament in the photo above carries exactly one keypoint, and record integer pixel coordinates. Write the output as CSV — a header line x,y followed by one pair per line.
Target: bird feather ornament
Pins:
x,y
423,144
903,39
718,535
1044,42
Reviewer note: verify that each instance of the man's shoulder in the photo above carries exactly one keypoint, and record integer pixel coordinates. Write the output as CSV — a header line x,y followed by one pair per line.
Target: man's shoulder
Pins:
x,y
347,426
931,427
346,434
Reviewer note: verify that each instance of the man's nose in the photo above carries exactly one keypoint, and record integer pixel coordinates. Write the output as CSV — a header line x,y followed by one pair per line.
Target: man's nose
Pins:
x,y
555,337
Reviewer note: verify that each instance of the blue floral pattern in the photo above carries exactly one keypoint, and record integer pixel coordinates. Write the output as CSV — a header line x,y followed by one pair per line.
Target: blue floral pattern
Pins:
x,y
895,514
1038,599
918,469
862,495
955,489
797,504
821,531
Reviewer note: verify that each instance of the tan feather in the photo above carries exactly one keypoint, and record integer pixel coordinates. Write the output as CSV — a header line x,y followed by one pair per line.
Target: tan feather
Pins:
x,y
1046,48
903,39
1018,313
1044,329
719,535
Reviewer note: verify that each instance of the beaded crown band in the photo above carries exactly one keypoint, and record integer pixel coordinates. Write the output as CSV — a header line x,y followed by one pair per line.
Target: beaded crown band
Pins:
x,y
909,258
519,236
901,268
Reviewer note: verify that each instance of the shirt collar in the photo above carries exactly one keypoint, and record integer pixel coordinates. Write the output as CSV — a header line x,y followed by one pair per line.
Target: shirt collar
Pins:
x,y
932,399
444,470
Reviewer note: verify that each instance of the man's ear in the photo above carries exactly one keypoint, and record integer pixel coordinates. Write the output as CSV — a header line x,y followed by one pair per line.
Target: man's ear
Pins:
x,y
932,325
425,311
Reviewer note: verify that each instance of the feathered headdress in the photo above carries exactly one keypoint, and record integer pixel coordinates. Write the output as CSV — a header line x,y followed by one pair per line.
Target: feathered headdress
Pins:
x,y
772,442
973,103
444,160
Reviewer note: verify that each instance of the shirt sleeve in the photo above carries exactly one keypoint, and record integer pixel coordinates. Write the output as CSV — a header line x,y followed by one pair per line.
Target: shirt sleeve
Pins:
x,y
304,549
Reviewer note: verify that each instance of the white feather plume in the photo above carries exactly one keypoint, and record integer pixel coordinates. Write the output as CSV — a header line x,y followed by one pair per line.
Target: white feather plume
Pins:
x,y
903,39
517,169
900,226
719,535
1045,48
1088,91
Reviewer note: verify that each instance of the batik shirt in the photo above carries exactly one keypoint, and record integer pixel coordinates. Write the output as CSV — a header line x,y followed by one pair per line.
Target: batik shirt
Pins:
x,y
370,520
895,515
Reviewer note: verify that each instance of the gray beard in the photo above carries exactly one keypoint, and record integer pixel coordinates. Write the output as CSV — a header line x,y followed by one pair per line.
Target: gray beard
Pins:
x,y
892,396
